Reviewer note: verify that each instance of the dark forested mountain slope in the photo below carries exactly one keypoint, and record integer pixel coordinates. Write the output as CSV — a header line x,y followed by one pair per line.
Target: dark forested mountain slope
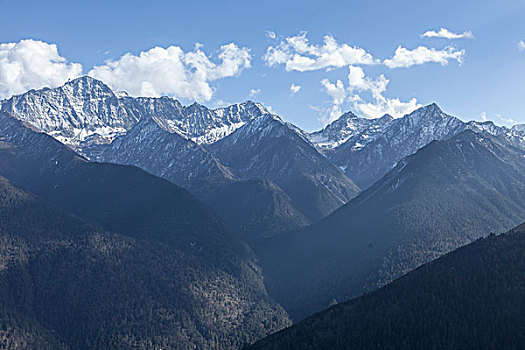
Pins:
x,y
472,298
257,209
268,148
254,208
444,196
171,275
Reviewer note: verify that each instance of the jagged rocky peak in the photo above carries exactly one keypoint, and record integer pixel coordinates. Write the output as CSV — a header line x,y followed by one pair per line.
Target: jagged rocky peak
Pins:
x,y
349,125
519,127
205,126
430,112
371,153
196,108
87,86
74,112
345,127
426,124
432,107
85,112
386,118
487,126
262,126
242,112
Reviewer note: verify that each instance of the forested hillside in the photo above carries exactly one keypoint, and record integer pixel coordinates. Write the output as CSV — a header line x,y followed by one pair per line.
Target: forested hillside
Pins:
x,y
446,195
157,268
472,298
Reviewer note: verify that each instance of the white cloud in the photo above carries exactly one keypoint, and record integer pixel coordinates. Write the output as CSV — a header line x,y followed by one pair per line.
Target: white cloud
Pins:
x,y
271,110
31,64
171,71
296,53
358,82
381,105
295,88
254,92
393,106
445,33
271,34
499,119
506,121
338,93
406,58
521,45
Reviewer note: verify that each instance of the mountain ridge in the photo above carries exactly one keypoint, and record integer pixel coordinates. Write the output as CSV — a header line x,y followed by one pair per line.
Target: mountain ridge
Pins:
x,y
111,115
373,149
269,148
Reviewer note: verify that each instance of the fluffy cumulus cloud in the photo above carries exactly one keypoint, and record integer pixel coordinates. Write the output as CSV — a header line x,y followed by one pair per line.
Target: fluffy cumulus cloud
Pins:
x,y
404,58
254,92
32,64
171,71
295,88
392,106
358,82
338,92
521,45
447,34
297,54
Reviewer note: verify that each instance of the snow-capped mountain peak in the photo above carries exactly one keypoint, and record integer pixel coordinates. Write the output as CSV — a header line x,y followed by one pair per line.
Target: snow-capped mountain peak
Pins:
x,y
370,153
487,126
206,126
85,111
344,128
80,109
519,127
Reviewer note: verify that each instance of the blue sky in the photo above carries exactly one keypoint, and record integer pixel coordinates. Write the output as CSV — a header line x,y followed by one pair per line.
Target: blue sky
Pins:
x,y
489,81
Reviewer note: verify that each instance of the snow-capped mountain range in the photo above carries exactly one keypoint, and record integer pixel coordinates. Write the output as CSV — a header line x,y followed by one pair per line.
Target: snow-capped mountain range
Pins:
x,y
85,111
367,149
200,148
180,143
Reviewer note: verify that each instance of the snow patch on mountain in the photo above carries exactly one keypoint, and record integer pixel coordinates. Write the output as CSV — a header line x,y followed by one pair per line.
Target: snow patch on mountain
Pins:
x,y
342,129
